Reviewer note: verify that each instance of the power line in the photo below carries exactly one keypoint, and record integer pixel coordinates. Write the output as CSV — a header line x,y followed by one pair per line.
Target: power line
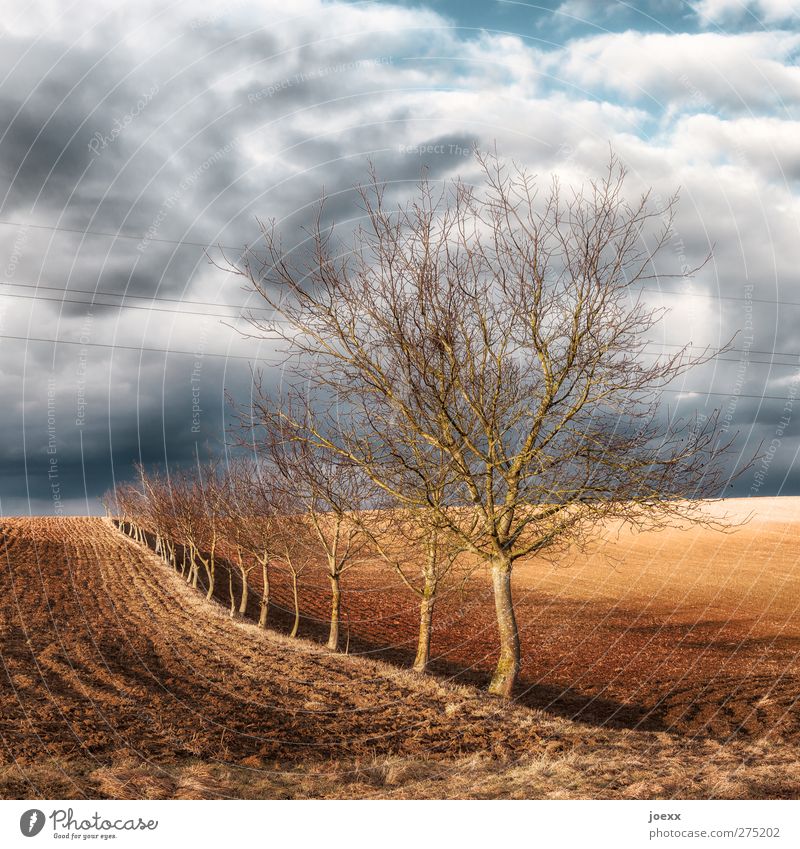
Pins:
x,y
724,297
791,354
184,242
94,304
201,354
247,308
123,295
69,290
140,349
133,236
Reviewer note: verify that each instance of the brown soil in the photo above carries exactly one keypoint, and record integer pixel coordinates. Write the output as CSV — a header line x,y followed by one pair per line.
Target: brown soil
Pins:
x,y
119,680
694,631
106,651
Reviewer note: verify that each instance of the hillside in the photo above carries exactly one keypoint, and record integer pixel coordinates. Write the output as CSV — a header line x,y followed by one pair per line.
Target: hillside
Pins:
x,y
119,680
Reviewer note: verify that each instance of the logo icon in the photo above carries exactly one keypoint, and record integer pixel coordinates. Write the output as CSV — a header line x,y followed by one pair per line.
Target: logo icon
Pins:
x,y
31,822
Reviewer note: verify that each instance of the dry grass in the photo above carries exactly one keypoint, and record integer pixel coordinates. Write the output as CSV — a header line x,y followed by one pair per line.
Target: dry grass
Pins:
x,y
617,765
133,780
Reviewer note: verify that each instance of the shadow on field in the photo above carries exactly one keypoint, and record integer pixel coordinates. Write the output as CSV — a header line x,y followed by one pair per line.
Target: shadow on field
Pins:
x,y
556,700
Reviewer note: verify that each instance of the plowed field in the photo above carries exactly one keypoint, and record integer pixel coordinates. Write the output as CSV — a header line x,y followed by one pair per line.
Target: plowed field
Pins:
x,y
119,680
694,631
103,648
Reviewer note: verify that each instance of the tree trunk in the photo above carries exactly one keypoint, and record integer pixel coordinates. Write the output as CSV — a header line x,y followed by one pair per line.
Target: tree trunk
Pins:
x,y
296,605
426,605
210,569
232,612
245,593
336,607
424,642
213,574
262,618
505,674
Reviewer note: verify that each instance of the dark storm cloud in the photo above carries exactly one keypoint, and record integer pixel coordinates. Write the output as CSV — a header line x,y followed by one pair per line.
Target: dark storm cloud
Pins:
x,y
166,124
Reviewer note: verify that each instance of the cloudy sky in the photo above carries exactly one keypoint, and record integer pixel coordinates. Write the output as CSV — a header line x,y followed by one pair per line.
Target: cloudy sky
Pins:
x,y
133,136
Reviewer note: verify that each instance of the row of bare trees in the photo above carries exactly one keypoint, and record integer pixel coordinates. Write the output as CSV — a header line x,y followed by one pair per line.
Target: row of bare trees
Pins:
x,y
484,355
476,372
298,509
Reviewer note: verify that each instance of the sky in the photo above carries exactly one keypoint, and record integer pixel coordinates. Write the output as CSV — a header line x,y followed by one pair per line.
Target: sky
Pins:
x,y
135,138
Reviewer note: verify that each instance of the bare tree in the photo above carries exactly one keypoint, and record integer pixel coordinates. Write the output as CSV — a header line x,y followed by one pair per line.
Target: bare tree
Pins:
x,y
234,529
423,552
272,527
501,329
128,503
158,512
208,492
188,522
248,526
328,488
292,541
260,529
165,507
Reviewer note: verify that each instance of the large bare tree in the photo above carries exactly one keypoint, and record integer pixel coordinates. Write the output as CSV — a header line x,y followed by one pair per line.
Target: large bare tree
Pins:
x,y
487,353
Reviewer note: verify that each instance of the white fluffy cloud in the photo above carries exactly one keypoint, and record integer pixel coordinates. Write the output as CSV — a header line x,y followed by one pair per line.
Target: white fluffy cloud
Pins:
x,y
741,72
765,11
